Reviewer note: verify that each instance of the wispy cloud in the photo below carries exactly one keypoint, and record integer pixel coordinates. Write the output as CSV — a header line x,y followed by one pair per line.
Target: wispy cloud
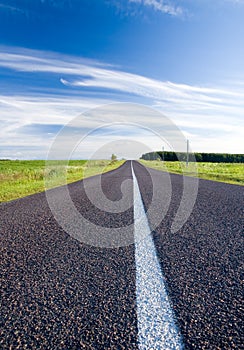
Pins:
x,y
174,8
91,74
6,7
161,6
207,114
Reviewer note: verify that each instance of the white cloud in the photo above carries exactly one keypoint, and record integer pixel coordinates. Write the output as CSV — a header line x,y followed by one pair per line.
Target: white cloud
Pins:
x,y
161,6
11,8
94,74
207,113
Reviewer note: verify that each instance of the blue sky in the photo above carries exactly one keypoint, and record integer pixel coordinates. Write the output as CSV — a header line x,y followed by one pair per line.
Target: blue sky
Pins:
x,y
183,58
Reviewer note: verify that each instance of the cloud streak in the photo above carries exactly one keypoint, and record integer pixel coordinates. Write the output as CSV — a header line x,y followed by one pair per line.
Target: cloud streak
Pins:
x,y
203,112
161,6
94,74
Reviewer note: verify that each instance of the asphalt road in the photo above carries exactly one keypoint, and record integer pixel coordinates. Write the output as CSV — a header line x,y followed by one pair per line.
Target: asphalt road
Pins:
x,y
60,293
203,262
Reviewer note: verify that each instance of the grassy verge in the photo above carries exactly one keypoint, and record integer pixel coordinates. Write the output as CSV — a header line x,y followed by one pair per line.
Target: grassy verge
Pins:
x,y
232,173
22,178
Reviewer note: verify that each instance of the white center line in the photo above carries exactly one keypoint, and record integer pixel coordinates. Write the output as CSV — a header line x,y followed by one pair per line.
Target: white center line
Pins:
x,y
156,326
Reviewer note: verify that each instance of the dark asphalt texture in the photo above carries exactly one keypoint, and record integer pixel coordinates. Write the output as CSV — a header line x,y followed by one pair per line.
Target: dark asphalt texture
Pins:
x,y
203,262
58,293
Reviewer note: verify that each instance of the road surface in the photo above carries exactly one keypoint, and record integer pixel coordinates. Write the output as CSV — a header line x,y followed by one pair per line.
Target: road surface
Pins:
x,y
60,293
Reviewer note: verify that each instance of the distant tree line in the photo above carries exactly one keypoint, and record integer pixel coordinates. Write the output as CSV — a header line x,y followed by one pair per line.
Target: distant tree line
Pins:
x,y
199,157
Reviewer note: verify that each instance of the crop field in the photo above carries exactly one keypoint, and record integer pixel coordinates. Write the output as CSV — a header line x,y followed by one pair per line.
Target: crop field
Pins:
x,y
232,173
19,178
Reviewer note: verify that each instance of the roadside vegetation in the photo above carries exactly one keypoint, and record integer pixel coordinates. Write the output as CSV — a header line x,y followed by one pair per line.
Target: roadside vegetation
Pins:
x,y
198,157
19,178
232,173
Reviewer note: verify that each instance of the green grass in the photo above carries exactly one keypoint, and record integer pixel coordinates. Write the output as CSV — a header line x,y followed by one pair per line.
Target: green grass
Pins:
x,y
232,173
20,178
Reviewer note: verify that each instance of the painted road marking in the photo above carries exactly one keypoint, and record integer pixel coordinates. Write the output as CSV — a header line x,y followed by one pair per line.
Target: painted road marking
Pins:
x,y
156,326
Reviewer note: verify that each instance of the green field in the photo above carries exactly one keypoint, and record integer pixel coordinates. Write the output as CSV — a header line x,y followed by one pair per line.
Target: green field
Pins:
x,y
232,173
19,178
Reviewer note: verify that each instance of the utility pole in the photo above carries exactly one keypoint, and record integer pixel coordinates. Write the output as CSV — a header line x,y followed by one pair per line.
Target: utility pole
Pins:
x,y
163,154
187,152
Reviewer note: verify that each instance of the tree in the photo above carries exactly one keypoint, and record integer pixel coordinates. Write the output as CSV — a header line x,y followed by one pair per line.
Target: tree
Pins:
x,y
113,157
